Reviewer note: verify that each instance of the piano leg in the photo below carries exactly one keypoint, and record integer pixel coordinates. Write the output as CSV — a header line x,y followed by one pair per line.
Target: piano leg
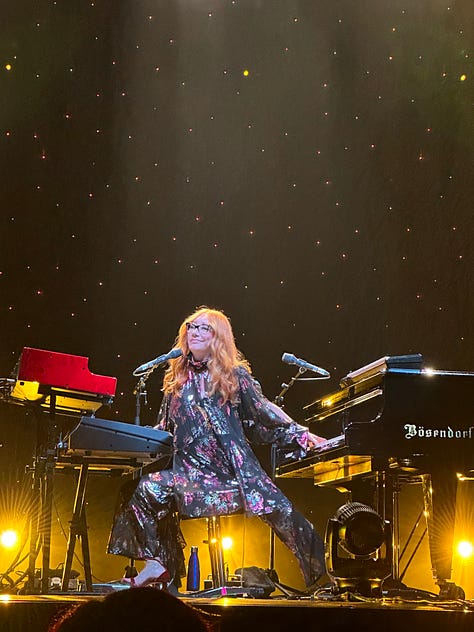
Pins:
x,y
439,495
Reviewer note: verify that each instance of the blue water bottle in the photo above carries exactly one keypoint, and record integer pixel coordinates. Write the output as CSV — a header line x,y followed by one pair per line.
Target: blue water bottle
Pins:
x,y
194,573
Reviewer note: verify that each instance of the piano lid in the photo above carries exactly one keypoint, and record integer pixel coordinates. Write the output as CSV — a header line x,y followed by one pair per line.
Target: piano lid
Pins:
x,y
411,362
367,383
362,384
40,375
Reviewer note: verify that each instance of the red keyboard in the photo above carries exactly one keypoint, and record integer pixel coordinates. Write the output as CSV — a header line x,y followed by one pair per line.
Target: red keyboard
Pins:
x,y
62,380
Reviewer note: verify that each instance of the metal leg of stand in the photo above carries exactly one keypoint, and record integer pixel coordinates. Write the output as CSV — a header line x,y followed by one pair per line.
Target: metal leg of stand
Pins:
x,y
40,524
387,492
45,526
47,493
215,551
34,527
395,492
78,529
220,585
387,505
86,558
42,500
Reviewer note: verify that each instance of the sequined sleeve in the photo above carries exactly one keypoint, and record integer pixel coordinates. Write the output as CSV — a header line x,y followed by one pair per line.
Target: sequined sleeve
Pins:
x,y
163,421
265,422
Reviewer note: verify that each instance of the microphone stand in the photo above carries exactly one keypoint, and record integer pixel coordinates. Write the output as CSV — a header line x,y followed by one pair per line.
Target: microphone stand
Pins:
x,y
271,572
140,393
273,458
286,387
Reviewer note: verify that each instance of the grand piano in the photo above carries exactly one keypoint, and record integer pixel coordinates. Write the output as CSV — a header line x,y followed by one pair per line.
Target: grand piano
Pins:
x,y
390,422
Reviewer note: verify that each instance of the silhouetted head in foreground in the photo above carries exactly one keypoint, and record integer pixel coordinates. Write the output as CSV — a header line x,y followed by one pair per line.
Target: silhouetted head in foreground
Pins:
x,y
141,609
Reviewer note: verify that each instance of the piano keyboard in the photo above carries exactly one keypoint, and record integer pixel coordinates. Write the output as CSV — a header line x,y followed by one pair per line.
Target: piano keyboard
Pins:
x,y
330,444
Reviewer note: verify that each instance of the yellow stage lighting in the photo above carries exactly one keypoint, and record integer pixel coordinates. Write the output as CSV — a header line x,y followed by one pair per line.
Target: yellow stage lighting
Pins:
x,y
465,549
9,539
227,543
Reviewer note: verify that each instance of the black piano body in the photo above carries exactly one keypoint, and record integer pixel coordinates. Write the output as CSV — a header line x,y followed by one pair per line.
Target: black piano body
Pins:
x,y
396,421
399,416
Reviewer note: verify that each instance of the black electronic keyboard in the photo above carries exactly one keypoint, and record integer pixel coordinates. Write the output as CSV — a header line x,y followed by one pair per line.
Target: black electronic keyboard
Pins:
x,y
106,446
115,443
94,436
393,421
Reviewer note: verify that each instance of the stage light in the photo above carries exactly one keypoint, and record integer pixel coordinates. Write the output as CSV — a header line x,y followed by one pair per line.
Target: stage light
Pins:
x,y
9,539
465,549
227,543
358,550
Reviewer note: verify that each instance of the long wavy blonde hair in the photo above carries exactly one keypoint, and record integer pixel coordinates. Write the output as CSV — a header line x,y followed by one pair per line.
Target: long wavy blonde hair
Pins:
x,y
224,356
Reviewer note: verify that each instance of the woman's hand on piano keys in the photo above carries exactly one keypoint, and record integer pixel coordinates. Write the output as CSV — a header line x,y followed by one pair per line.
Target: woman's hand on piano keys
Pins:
x,y
314,441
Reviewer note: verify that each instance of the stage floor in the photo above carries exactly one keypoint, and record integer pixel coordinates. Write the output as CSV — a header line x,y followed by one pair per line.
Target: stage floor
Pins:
x,y
22,613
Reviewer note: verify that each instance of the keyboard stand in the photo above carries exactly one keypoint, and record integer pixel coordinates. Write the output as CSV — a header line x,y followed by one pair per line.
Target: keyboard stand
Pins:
x,y
42,498
78,529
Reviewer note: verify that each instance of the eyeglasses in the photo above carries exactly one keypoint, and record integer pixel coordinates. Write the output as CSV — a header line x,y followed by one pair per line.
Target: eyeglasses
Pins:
x,y
205,329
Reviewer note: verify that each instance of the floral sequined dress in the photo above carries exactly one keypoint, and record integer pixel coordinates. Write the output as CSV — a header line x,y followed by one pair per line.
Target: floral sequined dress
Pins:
x,y
215,472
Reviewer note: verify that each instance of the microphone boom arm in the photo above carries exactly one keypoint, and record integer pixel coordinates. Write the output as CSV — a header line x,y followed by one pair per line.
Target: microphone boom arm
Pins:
x,y
286,387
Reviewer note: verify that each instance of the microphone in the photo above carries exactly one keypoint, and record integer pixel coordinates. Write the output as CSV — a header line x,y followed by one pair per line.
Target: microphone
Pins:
x,y
289,358
174,353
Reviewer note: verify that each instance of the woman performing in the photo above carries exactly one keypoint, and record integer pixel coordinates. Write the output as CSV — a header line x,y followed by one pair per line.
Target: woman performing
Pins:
x,y
214,409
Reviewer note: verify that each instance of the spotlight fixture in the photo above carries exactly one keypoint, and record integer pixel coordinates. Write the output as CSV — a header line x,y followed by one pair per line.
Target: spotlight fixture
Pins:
x,y
358,550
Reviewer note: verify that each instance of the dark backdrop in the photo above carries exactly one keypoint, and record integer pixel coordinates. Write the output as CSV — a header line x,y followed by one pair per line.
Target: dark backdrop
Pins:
x,y
306,166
